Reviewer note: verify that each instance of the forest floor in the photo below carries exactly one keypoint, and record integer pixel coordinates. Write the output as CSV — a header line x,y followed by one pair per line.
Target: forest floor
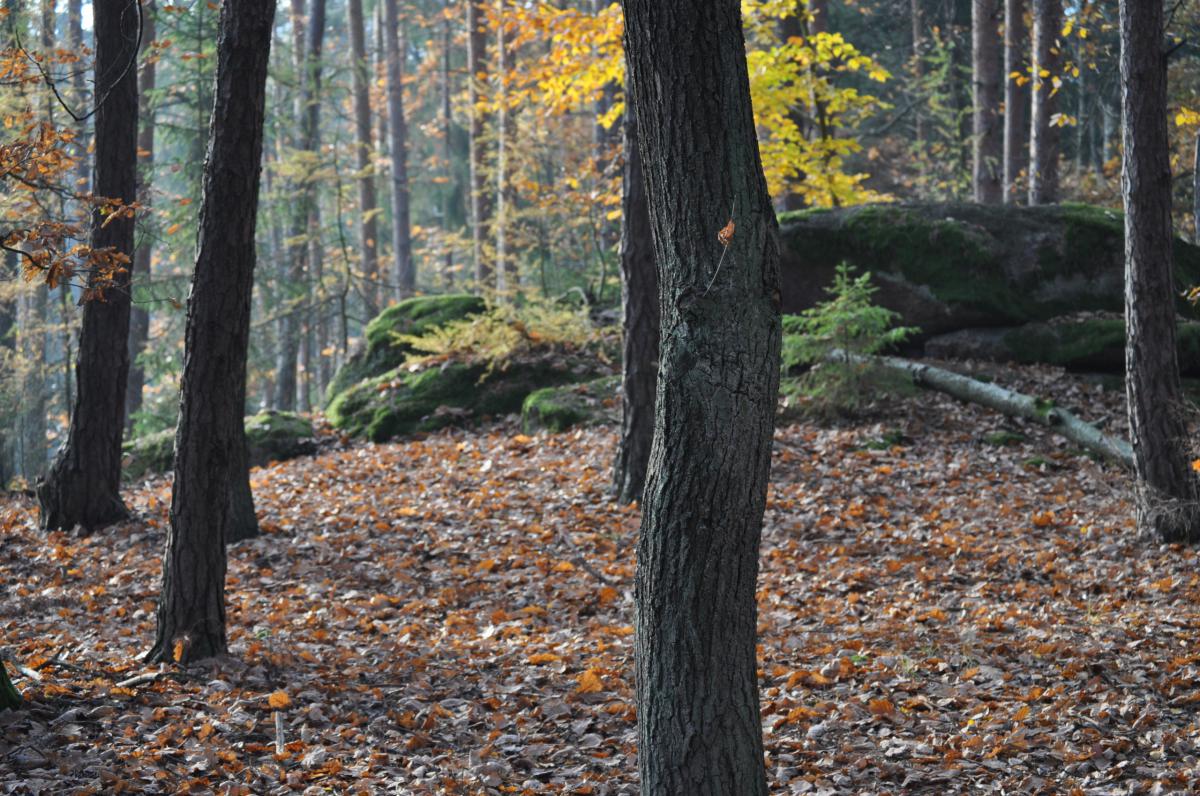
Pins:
x,y
938,614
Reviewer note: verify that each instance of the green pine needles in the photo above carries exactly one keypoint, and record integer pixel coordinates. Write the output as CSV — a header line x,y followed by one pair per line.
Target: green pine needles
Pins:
x,y
848,322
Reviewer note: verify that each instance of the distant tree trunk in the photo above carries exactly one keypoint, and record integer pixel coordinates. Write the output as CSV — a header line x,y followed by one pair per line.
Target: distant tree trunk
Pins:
x,y
699,725
83,169
366,169
294,292
1016,99
820,15
139,318
1196,190
447,155
191,610
918,56
311,129
403,273
639,301
9,269
505,268
1043,135
1166,494
790,27
31,333
988,139
83,485
480,197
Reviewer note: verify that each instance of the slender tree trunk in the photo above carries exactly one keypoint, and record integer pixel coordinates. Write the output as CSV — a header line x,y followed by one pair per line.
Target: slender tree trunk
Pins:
x,y
1196,190
447,156
211,432
1016,99
639,302
918,60
480,197
505,268
311,130
1166,493
366,169
83,486
83,169
403,273
988,139
1043,135
139,318
33,334
697,687
790,27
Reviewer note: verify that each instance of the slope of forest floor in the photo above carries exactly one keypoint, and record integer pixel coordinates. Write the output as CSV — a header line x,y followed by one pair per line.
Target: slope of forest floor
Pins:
x,y
938,614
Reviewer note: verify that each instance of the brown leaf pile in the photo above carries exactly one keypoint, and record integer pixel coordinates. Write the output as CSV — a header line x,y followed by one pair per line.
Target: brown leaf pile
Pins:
x,y
454,615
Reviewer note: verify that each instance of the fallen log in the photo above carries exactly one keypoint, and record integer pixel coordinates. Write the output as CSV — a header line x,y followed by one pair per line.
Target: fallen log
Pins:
x,y
1009,402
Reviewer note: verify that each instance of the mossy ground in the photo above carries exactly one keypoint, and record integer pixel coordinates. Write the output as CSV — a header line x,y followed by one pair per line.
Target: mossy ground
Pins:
x,y
270,436
383,352
1093,344
555,409
401,402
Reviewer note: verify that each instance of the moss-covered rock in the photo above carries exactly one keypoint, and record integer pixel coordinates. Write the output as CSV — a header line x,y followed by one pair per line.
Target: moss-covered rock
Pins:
x,y
402,402
270,436
382,352
556,409
952,266
1091,344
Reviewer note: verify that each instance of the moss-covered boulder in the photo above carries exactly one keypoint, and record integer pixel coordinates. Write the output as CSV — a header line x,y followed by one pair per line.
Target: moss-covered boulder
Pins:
x,y
1090,344
270,437
953,266
452,393
556,409
382,352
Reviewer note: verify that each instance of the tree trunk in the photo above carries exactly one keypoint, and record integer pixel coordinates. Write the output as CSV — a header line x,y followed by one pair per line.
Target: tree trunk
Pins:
x,y
697,688
403,273
1016,99
918,63
1196,191
1043,135
447,155
311,130
639,301
504,269
83,485
480,197
368,234
988,139
211,432
33,332
139,318
1166,493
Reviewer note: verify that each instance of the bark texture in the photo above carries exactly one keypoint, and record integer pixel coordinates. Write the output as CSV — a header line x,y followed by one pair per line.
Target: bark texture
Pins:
x,y
367,229
139,319
698,714
505,269
1043,135
988,146
639,302
481,206
210,439
1196,191
1016,99
83,485
403,273
1166,494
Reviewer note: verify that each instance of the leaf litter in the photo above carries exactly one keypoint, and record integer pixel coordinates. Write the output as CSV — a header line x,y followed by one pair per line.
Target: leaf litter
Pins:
x,y
453,615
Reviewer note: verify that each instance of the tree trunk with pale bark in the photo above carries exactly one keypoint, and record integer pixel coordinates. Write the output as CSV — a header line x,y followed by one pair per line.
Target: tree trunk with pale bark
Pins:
x,y
1016,99
139,320
987,166
1043,134
367,226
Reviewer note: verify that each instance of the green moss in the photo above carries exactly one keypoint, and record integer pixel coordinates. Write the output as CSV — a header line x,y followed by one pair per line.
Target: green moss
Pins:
x,y
556,409
383,351
1004,438
270,436
400,402
1093,344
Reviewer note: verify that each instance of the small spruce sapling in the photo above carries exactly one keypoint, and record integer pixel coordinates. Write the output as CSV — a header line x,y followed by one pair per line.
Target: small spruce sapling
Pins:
x,y
848,322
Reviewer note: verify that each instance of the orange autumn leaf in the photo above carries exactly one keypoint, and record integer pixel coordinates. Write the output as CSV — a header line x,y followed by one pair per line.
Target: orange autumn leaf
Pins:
x,y
881,707
544,657
589,682
279,700
725,236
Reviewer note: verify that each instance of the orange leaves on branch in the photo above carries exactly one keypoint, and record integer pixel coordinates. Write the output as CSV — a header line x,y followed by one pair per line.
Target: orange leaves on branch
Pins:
x,y
725,236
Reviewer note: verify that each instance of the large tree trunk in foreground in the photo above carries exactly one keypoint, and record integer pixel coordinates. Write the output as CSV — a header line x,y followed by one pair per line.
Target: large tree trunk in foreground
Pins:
x,y
210,439
139,320
403,273
1008,402
1016,98
697,688
988,151
83,485
639,300
1043,135
1166,493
